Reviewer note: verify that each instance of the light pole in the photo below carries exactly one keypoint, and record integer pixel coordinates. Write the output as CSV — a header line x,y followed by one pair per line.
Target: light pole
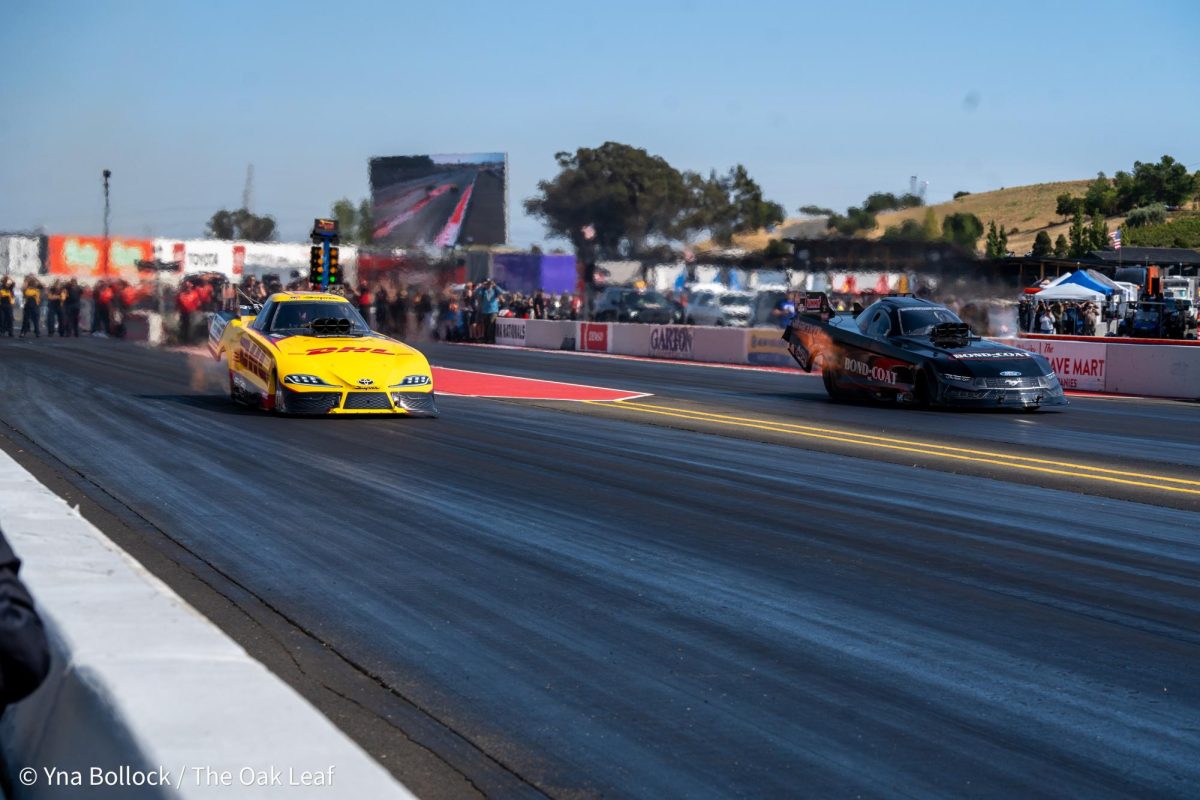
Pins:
x,y
104,265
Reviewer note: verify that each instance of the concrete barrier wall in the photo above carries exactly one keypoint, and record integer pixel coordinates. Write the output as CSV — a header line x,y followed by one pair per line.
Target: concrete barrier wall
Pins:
x,y
1153,370
141,681
1091,365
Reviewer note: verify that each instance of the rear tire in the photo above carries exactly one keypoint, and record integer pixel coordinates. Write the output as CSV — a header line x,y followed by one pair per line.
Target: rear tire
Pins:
x,y
836,394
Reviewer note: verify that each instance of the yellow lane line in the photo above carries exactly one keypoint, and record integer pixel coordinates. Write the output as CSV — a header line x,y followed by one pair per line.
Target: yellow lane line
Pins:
x,y
844,437
924,445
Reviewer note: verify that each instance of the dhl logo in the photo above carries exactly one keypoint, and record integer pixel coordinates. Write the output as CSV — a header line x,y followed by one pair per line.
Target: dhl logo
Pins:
x,y
320,351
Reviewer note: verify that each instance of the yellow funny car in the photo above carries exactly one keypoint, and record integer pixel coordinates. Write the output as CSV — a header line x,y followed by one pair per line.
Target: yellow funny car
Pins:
x,y
312,353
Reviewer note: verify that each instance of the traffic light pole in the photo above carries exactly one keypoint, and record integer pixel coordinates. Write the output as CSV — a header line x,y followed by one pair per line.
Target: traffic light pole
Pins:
x,y
325,264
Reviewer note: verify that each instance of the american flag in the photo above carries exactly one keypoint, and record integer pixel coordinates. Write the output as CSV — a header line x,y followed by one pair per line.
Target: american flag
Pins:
x,y
1115,239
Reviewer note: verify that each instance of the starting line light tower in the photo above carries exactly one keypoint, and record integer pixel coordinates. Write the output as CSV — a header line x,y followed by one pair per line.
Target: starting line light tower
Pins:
x,y
323,268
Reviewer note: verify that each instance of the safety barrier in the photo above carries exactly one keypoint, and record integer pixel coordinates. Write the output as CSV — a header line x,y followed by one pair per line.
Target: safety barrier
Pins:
x,y
1083,364
141,685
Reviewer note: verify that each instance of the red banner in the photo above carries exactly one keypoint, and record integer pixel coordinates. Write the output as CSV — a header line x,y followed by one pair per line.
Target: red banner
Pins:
x,y
83,256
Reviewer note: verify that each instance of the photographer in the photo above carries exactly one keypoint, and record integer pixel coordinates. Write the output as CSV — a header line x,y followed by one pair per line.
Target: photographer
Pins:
x,y
488,303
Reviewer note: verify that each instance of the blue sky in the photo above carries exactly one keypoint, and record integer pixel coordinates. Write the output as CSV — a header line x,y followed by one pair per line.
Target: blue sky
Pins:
x,y
823,103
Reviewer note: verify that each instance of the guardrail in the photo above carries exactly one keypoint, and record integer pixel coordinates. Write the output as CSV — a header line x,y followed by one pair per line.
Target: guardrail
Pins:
x,y
142,686
1095,364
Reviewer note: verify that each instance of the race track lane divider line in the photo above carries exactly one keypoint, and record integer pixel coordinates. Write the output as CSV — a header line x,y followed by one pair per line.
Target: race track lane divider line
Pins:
x,y
924,448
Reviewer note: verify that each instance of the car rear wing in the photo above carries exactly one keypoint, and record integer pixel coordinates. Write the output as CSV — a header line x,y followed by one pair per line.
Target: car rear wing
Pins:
x,y
810,335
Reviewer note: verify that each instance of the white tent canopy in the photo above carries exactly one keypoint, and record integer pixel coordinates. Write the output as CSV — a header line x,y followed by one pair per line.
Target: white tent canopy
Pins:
x,y
1069,291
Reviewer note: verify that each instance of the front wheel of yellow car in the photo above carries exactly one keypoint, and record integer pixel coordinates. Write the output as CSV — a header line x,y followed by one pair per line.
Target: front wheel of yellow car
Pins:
x,y
279,406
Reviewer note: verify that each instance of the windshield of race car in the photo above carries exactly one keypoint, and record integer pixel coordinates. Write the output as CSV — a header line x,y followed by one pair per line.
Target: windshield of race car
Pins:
x,y
297,317
920,321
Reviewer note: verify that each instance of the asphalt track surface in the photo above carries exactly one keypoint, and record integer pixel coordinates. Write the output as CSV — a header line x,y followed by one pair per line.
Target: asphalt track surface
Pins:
x,y
736,588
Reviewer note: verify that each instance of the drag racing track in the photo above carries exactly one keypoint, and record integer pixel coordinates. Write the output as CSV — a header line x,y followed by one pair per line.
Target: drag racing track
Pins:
x,y
731,587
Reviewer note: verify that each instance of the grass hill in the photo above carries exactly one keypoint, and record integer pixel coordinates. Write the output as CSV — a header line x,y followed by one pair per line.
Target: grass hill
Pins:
x,y
1028,209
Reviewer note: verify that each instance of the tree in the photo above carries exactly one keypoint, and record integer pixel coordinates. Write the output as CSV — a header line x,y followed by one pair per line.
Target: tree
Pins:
x,y
908,230
743,208
854,220
1078,236
1061,248
365,232
816,211
1098,233
241,224
220,226
960,194
1166,182
930,230
1065,205
1154,214
991,247
1042,246
347,218
963,230
996,245
1101,197
622,193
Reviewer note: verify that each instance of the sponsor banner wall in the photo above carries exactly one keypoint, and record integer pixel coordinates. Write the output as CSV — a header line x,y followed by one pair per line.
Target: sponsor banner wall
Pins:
x,y
672,341
20,255
766,347
511,331
197,255
1155,370
630,340
549,333
593,337
1079,365
82,257
719,345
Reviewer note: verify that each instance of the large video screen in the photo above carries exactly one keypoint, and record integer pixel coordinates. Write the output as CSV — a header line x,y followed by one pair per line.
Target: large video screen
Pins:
x,y
439,200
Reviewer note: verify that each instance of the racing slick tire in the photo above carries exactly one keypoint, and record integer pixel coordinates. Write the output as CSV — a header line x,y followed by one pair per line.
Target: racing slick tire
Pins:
x,y
279,406
835,394
235,394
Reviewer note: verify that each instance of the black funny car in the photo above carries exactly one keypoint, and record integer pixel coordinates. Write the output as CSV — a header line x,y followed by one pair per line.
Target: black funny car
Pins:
x,y
908,350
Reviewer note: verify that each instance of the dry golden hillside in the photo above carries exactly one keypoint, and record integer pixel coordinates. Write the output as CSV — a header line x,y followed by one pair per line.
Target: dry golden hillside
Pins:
x,y
1028,209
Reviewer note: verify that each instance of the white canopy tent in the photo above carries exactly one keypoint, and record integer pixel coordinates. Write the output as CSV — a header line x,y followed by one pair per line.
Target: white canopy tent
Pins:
x,y
1069,291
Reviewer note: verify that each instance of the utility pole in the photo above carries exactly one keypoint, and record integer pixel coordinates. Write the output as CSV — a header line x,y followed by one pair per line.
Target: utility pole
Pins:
x,y
104,264
248,189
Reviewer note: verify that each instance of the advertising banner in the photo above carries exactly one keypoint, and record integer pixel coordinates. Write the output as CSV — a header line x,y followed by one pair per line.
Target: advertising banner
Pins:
x,y
593,336
20,255
1079,365
766,347
671,341
510,331
82,257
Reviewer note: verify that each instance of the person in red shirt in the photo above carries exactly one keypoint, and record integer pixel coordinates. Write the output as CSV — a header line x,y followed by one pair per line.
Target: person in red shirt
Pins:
x,y
205,293
188,302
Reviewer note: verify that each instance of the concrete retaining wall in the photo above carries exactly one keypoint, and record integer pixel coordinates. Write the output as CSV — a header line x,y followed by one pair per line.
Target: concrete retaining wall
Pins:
x,y
1095,365
141,681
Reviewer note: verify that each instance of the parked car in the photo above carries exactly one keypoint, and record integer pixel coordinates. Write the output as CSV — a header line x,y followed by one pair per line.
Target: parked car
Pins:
x,y
724,308
624,304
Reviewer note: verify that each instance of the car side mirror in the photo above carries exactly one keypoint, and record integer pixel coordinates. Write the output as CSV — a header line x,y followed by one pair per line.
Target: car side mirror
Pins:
x,y
249,310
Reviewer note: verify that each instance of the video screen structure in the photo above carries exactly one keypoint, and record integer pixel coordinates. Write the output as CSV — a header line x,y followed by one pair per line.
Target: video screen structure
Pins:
x,y
440,200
